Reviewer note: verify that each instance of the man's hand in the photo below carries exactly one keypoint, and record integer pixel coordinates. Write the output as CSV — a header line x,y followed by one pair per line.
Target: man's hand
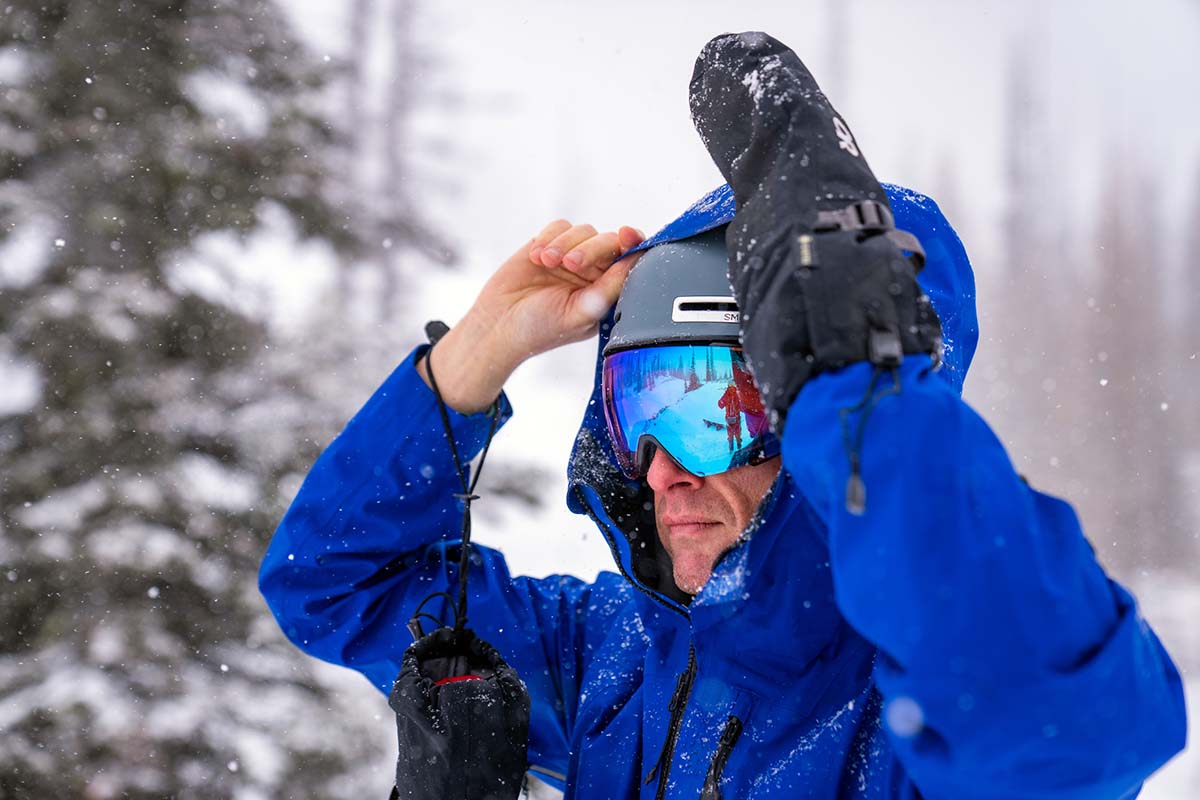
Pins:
x,y
815,261
556,289
551,292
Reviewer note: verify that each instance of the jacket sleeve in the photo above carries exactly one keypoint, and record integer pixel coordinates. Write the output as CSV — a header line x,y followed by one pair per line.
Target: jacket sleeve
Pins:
x,y
375,529
1011,665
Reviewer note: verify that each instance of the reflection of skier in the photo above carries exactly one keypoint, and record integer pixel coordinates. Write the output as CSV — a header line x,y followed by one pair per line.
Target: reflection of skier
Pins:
x,y
731,401
750,401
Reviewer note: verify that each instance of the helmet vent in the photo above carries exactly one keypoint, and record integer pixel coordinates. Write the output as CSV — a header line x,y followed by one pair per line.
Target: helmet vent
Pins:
x,y
705,309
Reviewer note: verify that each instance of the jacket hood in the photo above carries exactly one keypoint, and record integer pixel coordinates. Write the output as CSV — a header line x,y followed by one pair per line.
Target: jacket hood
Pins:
x,y
622,509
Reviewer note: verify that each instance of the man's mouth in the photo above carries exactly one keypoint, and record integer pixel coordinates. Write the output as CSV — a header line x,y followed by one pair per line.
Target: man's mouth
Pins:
x,y
689,526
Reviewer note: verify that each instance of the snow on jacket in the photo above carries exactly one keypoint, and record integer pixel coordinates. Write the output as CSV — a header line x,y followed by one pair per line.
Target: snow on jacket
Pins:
x,y
958,640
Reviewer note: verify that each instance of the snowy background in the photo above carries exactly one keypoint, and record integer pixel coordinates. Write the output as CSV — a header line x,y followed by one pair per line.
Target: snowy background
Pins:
x,y
1060,139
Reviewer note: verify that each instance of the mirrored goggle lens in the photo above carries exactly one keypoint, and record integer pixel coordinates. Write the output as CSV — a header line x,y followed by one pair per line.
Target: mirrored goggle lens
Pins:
x,y
698,402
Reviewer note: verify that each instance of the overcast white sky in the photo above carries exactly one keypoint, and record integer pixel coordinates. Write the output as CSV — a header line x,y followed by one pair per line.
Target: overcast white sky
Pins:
x,y
581,110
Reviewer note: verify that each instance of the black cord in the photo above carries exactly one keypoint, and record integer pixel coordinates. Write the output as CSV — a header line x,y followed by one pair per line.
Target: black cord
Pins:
x,y
414,622
467,495
856,489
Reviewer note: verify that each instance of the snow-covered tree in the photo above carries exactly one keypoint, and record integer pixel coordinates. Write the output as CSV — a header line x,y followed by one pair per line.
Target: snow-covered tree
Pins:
x,y
149,437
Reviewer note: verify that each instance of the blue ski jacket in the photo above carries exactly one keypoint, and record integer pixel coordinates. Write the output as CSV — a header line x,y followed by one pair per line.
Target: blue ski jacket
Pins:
x,y
957,640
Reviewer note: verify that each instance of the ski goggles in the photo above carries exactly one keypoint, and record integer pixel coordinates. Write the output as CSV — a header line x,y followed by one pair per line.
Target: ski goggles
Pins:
x,y
697,402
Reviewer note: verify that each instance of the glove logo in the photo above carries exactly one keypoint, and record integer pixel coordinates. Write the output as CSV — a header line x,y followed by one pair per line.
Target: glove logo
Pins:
x,y
845,138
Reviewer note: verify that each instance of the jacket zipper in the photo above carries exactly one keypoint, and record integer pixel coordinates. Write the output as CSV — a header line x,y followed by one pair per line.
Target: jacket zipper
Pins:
x,y
677,706
729,738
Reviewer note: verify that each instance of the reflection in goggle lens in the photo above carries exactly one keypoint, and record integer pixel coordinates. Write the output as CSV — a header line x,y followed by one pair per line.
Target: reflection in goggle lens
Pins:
x,y
698,402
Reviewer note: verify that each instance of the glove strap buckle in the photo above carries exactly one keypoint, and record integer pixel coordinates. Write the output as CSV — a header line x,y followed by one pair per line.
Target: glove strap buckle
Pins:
x,y
865,215
871,216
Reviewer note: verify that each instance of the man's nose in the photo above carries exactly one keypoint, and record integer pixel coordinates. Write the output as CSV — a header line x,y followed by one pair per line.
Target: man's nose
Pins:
x,y
664,473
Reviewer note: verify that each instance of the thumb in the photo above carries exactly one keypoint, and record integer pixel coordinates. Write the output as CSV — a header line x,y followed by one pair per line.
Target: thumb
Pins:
x,y
595,301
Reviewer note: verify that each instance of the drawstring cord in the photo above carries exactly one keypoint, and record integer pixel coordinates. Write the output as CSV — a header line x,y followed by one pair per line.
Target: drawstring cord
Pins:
x,y
856,489
435,331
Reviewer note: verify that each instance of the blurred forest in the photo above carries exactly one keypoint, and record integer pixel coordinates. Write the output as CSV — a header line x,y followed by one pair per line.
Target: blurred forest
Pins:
x,y
150,435
1096,340
154,422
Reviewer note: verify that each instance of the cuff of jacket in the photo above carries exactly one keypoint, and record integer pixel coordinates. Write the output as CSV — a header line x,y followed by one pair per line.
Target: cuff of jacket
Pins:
x,y
816,437
470,430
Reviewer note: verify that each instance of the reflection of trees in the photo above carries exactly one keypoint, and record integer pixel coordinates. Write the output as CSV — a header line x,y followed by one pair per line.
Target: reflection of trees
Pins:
x,y
645,371
693,380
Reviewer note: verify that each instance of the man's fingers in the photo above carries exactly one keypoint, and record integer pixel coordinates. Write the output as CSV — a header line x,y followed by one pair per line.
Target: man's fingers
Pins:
x,y
579,255
552,254
595,255
552,237
569,277
630,237
547,235
595,301
591,257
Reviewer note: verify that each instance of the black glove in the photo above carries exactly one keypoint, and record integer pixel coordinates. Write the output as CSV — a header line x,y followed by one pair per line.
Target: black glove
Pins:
x,y
815,261
462,715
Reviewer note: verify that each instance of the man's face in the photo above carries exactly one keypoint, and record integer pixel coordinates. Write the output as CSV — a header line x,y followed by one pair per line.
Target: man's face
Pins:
x,y
699,519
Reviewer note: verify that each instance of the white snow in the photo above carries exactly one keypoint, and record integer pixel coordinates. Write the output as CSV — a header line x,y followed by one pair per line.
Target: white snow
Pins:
x,y
66,509
728,580
208,482
236,104
765,783
272,272
138,544
904,717
20,384
26,251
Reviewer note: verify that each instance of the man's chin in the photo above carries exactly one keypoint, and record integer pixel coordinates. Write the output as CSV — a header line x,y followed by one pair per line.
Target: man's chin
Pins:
x,y
691,578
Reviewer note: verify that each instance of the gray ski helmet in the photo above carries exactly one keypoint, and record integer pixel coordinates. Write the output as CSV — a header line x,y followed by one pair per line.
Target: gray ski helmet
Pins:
x,y
678,292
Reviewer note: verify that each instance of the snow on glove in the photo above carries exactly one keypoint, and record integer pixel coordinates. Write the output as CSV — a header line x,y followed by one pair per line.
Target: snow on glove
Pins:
x,y
815,261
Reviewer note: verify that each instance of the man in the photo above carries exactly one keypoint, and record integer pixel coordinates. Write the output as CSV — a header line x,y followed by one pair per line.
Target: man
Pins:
x,y
732,406
864,601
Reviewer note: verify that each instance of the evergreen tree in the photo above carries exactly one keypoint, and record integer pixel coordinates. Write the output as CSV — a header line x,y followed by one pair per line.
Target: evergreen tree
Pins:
x,y
693,380
141,483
